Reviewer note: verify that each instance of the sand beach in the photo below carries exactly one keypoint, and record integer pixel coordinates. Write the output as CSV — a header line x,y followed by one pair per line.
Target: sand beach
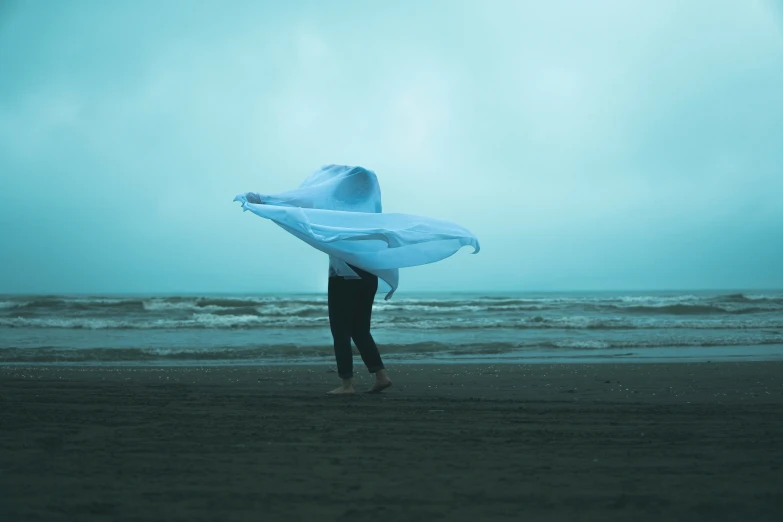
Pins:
x,y
682,441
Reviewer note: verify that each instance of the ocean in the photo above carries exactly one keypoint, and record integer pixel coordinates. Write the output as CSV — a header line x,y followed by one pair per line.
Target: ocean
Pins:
x,y
426,327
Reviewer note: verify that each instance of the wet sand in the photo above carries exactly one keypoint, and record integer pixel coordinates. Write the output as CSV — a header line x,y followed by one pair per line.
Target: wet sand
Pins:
x,y
464,442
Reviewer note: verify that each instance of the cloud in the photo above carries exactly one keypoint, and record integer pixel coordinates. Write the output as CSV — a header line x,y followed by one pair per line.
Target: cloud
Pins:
x,y
608,143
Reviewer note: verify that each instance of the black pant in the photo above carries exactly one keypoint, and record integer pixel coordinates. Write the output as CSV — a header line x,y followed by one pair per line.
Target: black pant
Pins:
x,y
350,310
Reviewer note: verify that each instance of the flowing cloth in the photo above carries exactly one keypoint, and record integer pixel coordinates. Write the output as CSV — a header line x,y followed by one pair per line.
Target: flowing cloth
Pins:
x,y
338,211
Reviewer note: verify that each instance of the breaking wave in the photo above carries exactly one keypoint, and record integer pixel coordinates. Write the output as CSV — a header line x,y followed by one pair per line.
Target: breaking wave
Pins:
x,y
249,320
543,312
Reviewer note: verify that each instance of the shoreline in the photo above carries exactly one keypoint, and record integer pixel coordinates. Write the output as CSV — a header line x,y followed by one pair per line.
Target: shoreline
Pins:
x,y
657,355
707,379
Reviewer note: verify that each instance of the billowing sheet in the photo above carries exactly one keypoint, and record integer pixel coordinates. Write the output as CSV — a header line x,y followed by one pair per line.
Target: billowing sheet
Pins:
x,y
338,211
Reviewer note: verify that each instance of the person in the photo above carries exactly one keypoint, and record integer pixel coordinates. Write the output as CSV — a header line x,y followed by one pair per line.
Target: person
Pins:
x,y
350,299
338,211
350,296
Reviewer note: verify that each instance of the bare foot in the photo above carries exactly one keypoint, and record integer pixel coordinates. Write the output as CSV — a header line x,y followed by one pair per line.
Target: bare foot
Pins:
x,y
380,385
342,390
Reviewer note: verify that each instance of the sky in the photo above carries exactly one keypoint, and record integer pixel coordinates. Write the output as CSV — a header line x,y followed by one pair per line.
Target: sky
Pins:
x,y
603,145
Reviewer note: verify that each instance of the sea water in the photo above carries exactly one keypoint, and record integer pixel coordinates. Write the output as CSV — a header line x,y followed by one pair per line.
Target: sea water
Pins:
x,y
426,327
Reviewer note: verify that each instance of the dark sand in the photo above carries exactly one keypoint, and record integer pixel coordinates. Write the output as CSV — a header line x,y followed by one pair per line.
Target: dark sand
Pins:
x,y
506,442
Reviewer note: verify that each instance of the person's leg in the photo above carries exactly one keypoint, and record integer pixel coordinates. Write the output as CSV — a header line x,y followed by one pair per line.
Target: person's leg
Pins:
x,y
341,297
360,332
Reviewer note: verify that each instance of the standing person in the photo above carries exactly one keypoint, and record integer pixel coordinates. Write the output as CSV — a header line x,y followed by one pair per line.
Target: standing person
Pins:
x,y
338,211
350,299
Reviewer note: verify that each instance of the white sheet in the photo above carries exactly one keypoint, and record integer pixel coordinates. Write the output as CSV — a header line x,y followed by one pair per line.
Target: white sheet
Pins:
x,y
338,211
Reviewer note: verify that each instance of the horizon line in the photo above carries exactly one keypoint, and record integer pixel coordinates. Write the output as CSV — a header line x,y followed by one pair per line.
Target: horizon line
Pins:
x,y
472,292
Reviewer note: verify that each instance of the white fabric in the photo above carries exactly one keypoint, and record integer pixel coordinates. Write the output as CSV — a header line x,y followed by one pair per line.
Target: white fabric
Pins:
x,y
338,211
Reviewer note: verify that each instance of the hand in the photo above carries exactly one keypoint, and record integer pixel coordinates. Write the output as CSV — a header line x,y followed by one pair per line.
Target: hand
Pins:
x,y
252,197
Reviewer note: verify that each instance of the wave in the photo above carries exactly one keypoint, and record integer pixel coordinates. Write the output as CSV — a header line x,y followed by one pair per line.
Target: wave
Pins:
x,y
675,304
148,303
686,309
323,352
743,298
197,321
601,312
253,320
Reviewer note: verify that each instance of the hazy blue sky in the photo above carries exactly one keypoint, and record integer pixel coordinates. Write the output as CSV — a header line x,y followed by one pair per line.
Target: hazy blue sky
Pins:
x,y
589,145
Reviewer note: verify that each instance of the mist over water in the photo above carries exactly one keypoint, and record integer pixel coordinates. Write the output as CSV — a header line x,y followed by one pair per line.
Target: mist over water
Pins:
x,y
294,328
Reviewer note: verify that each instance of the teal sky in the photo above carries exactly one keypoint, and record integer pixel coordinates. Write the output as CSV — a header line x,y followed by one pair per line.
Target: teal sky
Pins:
x,y
603,145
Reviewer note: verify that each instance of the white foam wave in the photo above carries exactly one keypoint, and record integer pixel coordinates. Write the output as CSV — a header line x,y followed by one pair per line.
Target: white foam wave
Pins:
x,y
592,345
209,320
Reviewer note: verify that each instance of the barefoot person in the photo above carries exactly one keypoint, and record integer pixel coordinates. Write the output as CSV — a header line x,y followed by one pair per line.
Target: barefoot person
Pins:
x,y
350,300
338,211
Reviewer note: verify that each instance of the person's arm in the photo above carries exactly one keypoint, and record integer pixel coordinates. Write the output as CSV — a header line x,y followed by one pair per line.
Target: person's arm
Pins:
x,y
292,198
287,199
